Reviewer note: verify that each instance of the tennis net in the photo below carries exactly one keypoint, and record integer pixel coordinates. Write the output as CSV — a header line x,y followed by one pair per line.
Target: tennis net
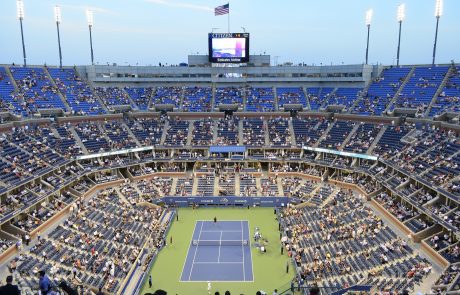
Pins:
x,y
220,242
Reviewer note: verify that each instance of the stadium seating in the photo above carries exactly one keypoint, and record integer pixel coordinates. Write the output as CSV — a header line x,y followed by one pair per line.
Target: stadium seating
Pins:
x,y
229,95
197,99
8,100
319,97
253,132
408,168
261,100
112,96
291,95
76,91
421,87
168,95
227,131
278,132
449,98
36,90
140,96
337,135
381,91
203,131
343,96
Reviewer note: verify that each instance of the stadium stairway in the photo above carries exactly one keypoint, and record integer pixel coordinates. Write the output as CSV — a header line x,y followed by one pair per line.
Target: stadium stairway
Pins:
x,y
324,103
326,132
291,131
237,183
131,101
130,133
215,131
150,104
213,98
279,183
259,187
164,133
240,132
276,98
216,186
349,136
267,136
181,100
78,140
401,88
93,91
195,187
244,93
360,97
174,184
440,89
308,101
330,197
12,80
376,140
191,128
122,196
60,94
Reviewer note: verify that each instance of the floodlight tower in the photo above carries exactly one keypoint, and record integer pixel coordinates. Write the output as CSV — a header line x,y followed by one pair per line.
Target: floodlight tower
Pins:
x,y
20,13
57,17
437,14
401,14
369,14
90,19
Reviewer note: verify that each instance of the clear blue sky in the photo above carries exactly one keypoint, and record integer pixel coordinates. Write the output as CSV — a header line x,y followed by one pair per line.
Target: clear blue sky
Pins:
x,y
152,31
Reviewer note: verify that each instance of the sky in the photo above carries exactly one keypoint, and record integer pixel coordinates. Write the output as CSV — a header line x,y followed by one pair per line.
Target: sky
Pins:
x,y
146,32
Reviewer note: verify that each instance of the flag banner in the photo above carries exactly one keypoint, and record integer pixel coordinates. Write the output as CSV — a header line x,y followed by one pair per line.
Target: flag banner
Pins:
x,y
221,10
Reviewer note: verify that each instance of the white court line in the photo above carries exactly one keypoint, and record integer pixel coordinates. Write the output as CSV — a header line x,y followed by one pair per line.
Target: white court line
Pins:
x,y
242,250
211,262
217,281
216,231
194,256
209,220
250,251
220,245
185,260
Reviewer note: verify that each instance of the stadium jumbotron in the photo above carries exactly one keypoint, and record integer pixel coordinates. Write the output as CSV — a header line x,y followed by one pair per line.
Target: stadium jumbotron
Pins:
x,y
302,148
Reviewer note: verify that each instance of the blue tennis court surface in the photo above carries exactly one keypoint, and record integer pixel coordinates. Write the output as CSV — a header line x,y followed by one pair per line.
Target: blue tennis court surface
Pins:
x,y
219,252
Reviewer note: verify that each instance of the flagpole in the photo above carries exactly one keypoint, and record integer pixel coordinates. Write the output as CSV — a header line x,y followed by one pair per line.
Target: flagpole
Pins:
x,y
228,16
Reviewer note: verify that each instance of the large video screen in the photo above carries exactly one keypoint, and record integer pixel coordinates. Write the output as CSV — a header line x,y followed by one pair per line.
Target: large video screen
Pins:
x,y
229,47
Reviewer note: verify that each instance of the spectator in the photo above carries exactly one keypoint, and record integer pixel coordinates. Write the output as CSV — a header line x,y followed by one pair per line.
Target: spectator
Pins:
x,y
44,283
9,288
314,290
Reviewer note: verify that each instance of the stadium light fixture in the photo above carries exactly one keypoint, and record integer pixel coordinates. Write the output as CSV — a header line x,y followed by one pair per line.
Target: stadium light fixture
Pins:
x,y
57,18
437,13
400,16
20,13
369,15
90,19
439,8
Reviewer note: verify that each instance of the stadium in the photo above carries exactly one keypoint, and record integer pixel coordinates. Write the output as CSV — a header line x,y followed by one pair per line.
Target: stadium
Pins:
x,y
231,173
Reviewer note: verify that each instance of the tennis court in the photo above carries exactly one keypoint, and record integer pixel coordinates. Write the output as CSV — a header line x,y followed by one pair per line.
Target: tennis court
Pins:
x,y
219,252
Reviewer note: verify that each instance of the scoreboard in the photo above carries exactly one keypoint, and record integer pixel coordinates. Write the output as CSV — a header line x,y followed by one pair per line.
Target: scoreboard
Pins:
x,y
228,47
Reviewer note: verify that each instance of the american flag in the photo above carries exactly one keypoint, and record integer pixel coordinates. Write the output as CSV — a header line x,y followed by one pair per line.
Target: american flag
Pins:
x,y
221,10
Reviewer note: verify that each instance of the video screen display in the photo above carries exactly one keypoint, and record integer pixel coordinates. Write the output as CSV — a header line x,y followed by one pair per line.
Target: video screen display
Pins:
x,y
229,47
